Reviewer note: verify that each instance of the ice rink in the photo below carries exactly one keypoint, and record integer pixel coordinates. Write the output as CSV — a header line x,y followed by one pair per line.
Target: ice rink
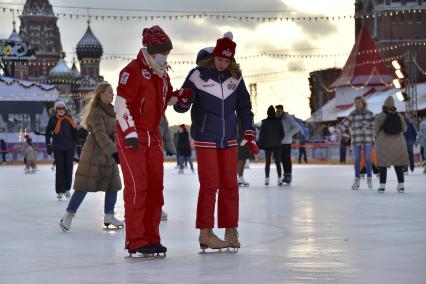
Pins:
x,y
318,231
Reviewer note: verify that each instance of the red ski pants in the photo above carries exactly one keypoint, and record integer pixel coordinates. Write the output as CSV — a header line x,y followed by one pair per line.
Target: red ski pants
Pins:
x,y
217,171
143,192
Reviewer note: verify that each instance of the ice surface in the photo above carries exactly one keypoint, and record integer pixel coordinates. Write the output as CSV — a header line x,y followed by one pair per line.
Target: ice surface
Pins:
x,y
319,231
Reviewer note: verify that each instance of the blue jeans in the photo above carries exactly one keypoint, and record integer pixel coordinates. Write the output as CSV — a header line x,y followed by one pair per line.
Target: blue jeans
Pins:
x,y
78,197
181,161
357,157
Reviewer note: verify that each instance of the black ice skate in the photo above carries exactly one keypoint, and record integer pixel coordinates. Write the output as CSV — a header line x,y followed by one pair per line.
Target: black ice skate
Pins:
x,y
145,252
159,248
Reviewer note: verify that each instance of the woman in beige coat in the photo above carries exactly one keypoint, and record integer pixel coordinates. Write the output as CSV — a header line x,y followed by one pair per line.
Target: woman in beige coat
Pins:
x,y
97,169
391,148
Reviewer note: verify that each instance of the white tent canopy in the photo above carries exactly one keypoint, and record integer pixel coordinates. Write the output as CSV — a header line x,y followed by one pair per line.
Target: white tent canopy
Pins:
x,y
12,89
330,112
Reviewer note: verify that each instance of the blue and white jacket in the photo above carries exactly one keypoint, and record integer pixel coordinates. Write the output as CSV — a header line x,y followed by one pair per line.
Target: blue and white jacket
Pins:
x,y
219,101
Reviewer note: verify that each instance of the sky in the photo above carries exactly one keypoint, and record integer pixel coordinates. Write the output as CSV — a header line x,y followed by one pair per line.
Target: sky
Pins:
x,y
189,36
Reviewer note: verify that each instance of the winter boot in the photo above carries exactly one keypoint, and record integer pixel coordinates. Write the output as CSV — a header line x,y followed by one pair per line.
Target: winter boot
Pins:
x,y
400,187
287,179
109,219
266,181
381,188
242,182
65,223
370,182
355,186
209,240
67,194
231,237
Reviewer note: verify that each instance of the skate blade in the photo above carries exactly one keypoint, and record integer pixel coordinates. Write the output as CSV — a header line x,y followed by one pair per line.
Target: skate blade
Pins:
x,y
212,251
140,256
110,227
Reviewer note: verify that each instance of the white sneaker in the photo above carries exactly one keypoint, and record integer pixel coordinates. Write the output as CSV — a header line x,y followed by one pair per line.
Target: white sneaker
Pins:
x,y
400,187
109,219
65,223
370,182
355,186
266,181
59,196
68,194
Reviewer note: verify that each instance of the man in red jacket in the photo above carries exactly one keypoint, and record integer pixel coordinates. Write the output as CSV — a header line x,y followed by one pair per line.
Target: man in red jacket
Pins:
x,y
143,92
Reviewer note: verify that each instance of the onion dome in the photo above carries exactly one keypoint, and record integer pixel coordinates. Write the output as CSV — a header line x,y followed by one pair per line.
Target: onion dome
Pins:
x,y
61,69
75,72
14,35
89,46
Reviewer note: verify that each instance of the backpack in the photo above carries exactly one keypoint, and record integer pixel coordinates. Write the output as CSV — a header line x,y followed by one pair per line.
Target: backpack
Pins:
x,y
392,124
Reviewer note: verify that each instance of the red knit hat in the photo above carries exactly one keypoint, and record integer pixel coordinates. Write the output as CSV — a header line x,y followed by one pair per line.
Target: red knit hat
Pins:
x,y
225,47
156,40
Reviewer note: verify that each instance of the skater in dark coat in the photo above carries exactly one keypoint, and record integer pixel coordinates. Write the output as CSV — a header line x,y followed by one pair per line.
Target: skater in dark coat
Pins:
x,y
82,134
184,151
3,149
97,169
410,138
270,137
61,137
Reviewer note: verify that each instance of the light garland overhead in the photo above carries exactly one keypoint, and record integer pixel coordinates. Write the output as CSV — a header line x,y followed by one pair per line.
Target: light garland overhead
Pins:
x,y
221,16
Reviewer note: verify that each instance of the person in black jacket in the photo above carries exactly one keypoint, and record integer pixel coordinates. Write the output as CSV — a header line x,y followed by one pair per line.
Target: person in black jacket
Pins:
x,y
3,149
61,137
82,134
184,149
270,137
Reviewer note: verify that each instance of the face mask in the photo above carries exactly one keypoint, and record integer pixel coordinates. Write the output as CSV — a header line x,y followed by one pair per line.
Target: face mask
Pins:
x,y
161,59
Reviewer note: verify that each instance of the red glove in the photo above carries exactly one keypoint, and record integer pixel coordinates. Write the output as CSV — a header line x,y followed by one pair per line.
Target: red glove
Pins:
x,y
185,94
249,140
181,95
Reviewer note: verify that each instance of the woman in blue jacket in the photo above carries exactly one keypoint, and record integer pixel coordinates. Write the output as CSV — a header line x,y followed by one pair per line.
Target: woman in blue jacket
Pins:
x,y
219,99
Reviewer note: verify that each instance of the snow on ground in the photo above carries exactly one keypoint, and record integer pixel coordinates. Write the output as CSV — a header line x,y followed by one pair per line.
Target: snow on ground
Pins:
x,y
318,231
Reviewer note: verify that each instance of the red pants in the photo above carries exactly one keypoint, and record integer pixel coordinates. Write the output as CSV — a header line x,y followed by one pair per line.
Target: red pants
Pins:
x,y
143,192
217,170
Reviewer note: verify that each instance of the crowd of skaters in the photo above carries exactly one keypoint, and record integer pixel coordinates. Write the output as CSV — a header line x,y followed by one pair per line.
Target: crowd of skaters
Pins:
x,y
134,135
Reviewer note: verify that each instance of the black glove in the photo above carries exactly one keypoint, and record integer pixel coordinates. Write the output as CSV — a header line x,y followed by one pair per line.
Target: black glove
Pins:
x,y
49,149
168,153
116,158
132,142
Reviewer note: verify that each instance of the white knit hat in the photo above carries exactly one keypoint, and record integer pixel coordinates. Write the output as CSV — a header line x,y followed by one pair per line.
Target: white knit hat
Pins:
x,y
60,103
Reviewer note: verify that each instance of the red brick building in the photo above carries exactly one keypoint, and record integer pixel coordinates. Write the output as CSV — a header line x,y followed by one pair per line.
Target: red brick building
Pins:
x,y
400,25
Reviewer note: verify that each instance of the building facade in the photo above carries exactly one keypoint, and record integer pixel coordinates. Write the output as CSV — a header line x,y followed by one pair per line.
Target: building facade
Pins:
x,y
396,27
